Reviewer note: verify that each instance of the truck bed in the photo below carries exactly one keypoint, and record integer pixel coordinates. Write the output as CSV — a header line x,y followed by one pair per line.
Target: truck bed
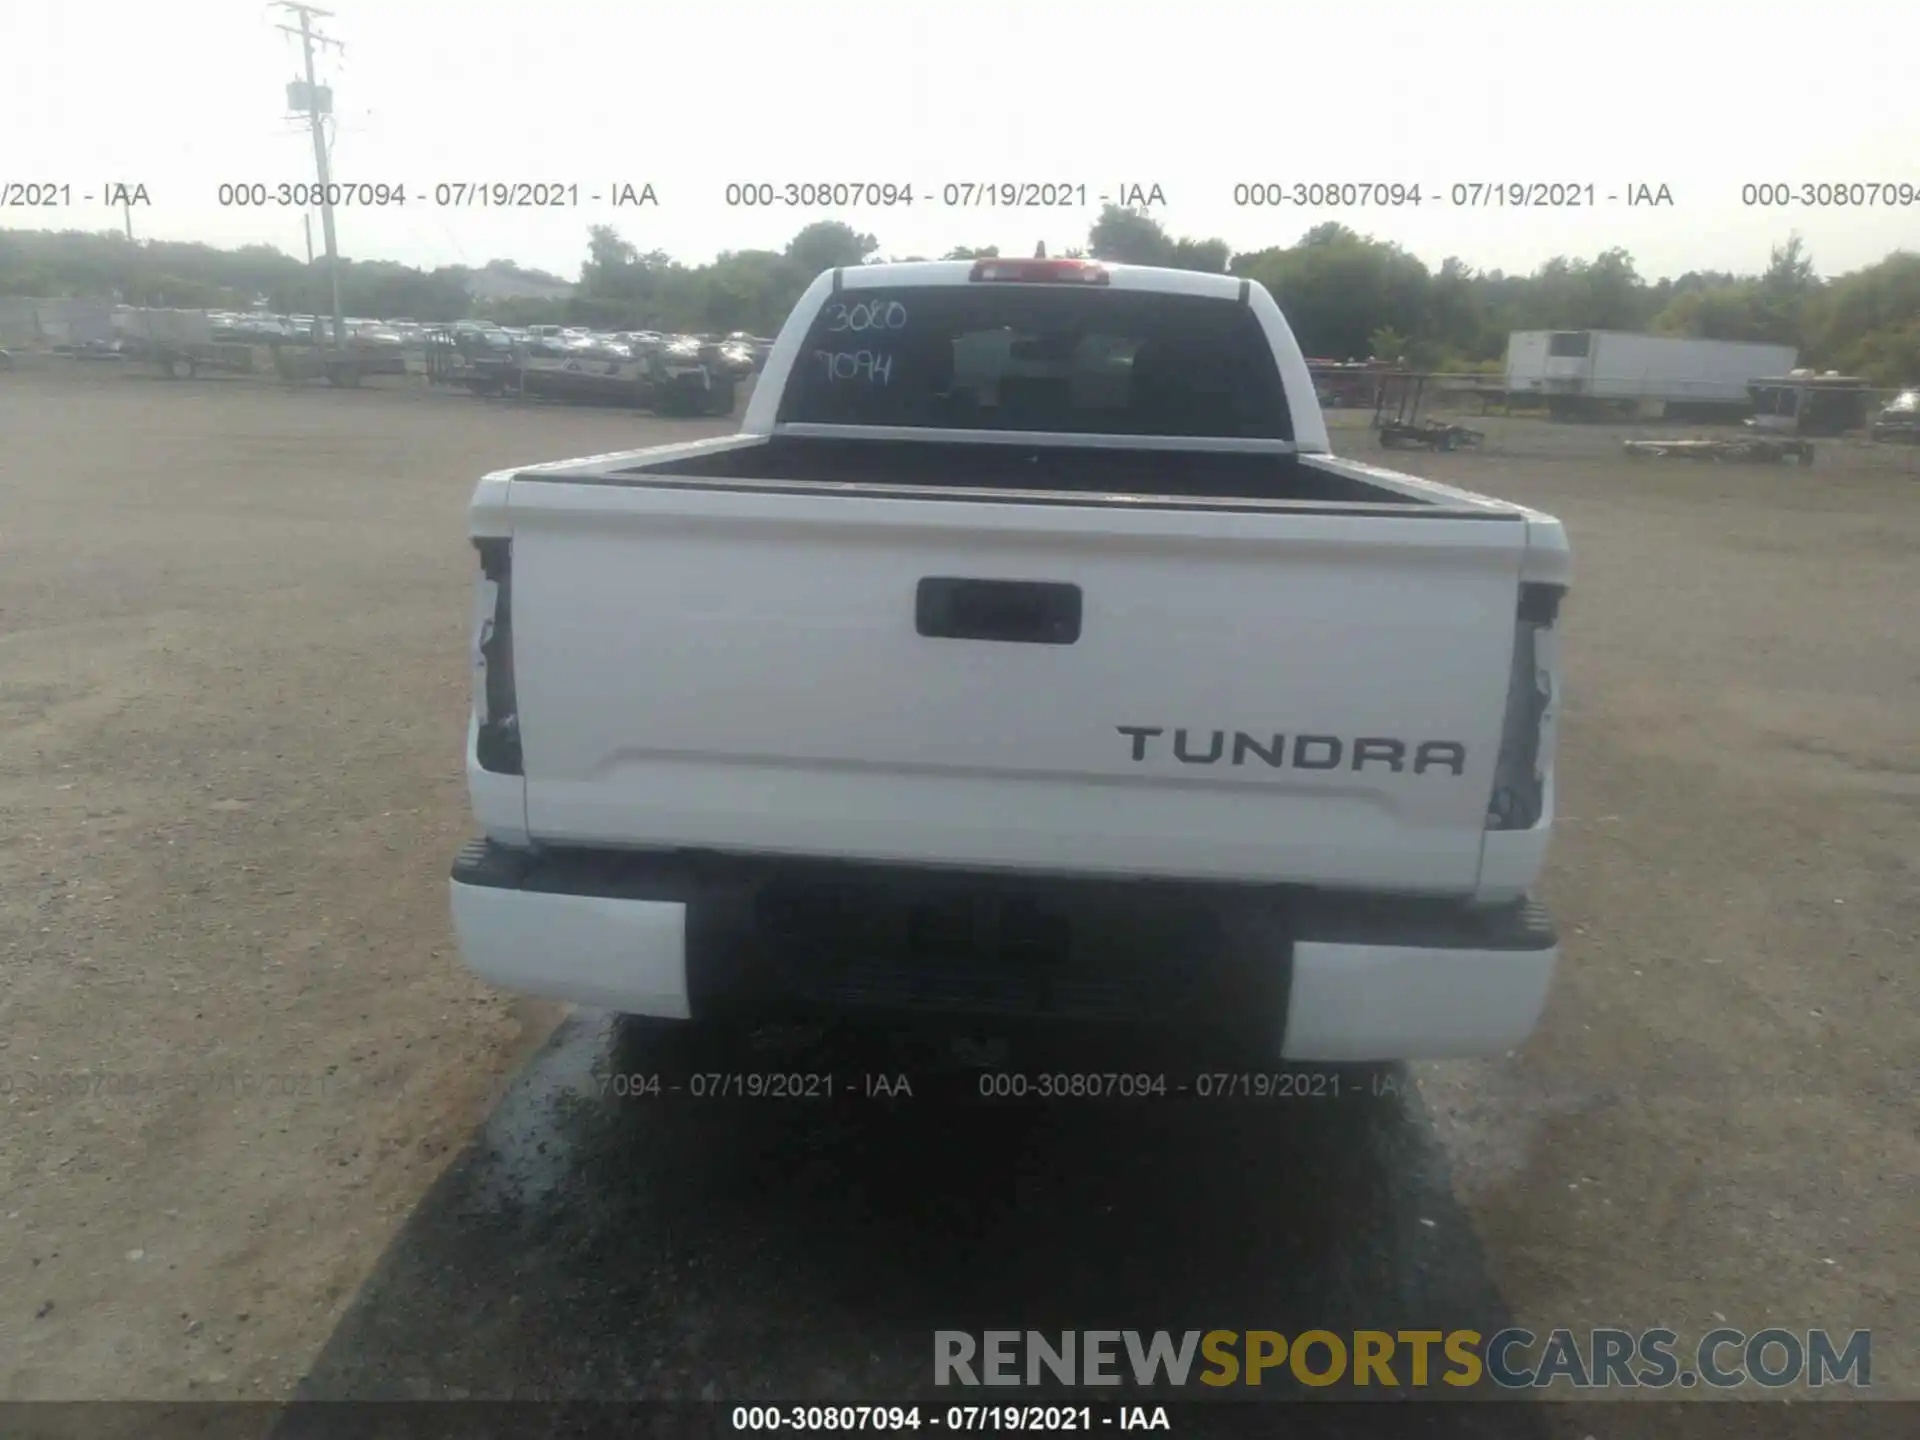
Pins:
x,y
1011,467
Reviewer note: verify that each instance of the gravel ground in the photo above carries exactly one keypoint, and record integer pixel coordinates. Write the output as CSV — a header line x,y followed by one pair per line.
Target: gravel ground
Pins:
x,y
264,1136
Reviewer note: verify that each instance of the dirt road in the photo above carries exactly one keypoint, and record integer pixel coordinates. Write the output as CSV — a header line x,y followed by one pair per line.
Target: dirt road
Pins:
x,y
259,1133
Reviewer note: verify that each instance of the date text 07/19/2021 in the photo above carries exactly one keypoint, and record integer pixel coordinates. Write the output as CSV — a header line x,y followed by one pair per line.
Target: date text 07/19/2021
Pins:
x,y
995,1084
960,1419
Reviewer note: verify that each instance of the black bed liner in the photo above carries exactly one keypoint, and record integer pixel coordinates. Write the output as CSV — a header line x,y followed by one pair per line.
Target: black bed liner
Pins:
x,y
1070,469
1037,474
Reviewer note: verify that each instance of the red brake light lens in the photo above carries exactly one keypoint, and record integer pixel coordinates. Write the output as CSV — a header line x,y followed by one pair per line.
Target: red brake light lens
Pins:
x,y
1042,272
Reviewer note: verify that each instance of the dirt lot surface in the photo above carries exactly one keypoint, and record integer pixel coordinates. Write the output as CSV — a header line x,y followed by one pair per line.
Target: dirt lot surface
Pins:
x,y
264,1136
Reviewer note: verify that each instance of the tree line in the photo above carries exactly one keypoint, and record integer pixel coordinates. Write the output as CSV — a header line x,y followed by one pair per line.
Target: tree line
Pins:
x,y
1348,296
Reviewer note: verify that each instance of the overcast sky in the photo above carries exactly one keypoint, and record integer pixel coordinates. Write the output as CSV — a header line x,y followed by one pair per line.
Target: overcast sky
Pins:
x,y
1194,96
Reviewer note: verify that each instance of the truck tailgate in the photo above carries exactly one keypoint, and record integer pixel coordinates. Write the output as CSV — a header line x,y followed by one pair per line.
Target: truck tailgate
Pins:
x,y
1305,696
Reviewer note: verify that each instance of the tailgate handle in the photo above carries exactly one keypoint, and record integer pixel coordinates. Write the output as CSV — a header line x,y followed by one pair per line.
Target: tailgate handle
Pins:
x,y
1013,612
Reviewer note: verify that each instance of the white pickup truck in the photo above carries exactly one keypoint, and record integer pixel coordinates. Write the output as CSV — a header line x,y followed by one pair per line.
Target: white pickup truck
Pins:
x,y
1026,656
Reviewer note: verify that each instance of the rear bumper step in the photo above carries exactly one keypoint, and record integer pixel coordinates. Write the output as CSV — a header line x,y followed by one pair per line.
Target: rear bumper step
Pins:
x,y
1296,975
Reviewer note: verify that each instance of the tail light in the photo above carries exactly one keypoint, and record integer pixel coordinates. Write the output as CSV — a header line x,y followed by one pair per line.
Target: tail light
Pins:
x,y
495,710
1042,272
1527,737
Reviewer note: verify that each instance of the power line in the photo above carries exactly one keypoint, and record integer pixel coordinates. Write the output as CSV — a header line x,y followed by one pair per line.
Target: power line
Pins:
x,y
316,104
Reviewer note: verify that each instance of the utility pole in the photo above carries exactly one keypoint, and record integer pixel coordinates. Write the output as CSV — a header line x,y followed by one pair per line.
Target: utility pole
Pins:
x,y
306,291
309,39
126,203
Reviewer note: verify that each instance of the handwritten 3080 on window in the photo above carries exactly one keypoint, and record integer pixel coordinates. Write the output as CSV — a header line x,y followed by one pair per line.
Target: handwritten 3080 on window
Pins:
x,y
861,328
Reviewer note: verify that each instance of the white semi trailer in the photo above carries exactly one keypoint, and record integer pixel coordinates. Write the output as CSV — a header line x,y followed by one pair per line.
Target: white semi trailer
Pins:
x,y
1589,372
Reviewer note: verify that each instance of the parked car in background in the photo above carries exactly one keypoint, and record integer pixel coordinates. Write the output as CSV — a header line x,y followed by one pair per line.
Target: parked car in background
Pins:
x,y
688,380
668,375
482,359
253,328
1899,421
757,346
735,358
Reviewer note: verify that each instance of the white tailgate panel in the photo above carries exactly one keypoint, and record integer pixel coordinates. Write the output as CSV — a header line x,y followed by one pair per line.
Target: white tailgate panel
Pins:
x,y
741,671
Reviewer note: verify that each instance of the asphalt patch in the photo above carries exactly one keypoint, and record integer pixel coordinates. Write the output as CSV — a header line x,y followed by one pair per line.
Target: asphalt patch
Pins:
x,y
599,1240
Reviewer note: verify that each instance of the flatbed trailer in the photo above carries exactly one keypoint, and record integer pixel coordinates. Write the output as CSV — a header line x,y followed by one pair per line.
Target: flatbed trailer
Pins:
x,y
1398,425
340,368
173,360
1743,449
